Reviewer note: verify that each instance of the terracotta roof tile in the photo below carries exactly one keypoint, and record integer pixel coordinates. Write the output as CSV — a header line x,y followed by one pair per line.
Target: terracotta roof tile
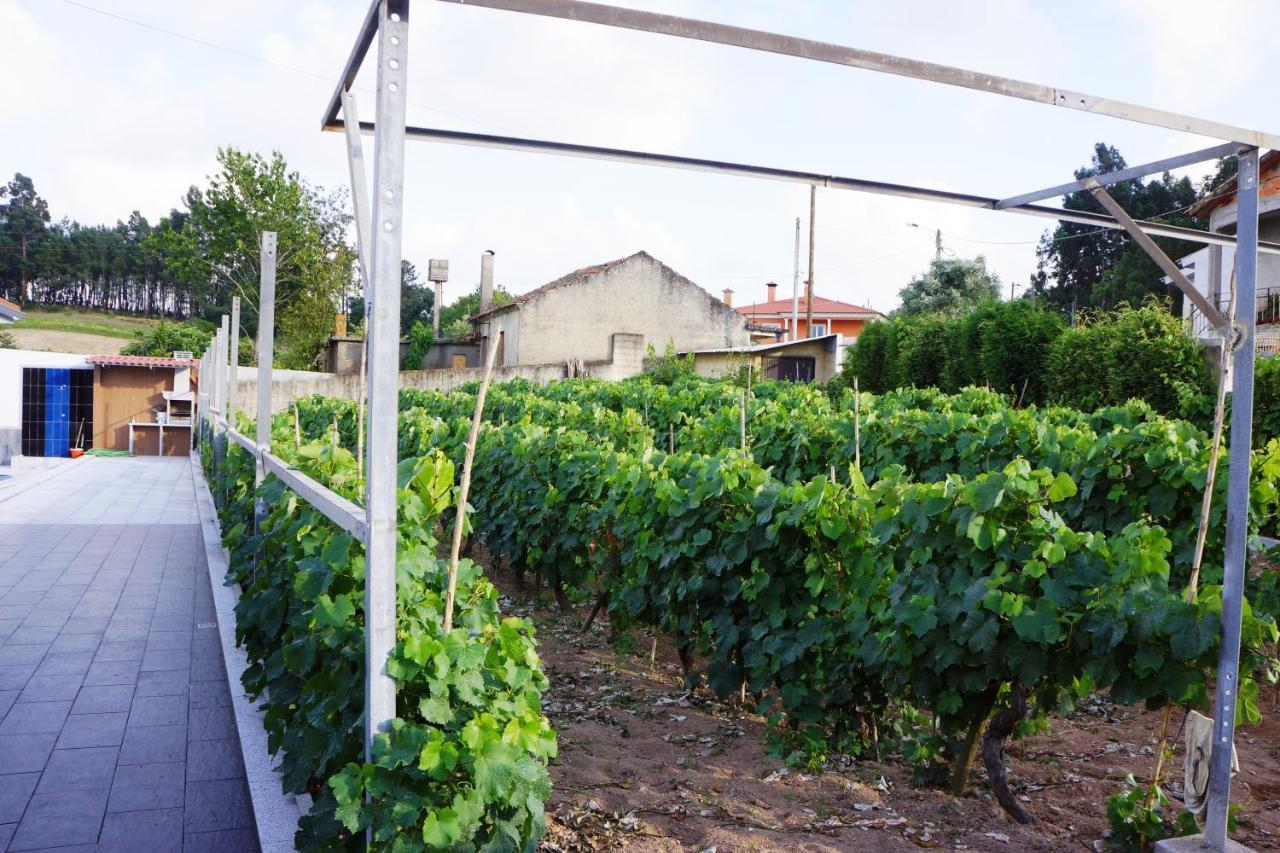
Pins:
x,y
140,361
821,305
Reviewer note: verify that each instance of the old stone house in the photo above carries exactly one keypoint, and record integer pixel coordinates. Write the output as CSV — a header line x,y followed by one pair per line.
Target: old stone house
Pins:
x,y
582,315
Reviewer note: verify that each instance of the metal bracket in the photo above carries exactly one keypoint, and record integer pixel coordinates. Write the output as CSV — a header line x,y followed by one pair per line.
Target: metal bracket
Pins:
x,y
1171,269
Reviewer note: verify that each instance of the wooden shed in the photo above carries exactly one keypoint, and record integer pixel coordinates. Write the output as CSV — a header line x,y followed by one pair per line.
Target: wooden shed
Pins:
x,y
143,404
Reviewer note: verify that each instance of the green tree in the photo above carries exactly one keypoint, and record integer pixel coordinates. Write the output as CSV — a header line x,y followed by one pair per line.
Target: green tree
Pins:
x,y
417,302
951,285
455,318
1091,267
218,243
24,217
163,339
420,340
867,359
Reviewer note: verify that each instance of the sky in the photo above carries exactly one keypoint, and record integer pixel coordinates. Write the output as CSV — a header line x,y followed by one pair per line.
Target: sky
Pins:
x,y
110,116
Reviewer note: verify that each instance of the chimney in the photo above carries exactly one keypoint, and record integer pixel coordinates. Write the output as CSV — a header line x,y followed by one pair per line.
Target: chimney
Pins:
x,y
728,297
773,291
486,280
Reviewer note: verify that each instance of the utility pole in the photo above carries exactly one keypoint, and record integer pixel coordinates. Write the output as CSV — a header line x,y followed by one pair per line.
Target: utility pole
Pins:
x,y
937,245
808,288
795,289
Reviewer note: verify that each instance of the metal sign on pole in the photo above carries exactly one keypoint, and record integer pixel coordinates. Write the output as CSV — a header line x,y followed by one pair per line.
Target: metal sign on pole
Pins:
x,y
266,353
384,362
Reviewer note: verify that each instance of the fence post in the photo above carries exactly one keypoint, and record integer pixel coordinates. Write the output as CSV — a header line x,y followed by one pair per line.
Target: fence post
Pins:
x,y
384,366
266,352
1224,718
233,362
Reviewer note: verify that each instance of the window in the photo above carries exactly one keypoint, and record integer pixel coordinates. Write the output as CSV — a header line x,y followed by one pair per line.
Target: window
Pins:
x,y
819,329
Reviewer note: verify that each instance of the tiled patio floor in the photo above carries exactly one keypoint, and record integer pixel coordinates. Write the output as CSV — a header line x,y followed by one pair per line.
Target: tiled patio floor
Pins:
x,y
116,731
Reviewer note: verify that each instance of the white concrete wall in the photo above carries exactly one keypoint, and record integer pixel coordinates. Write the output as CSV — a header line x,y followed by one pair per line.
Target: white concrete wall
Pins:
x,y
11,363
640,296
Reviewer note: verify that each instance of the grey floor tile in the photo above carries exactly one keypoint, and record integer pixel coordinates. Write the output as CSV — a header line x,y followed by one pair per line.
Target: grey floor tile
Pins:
x,y
51,688
6,833
63,818
15,792
103,698
90,769
210,694
112,672
27,718
158,831
154,745
25,635
217,805
25,753
83,730
158,711
66,663
229,841
157,659
214,759
164,682
76,643
139,787
11,655
16,676
165,640
7,698
212,723
120,650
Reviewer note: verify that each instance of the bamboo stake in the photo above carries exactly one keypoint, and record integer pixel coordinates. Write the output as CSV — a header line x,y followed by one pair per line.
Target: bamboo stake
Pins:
x,y
857,425
360,440
334,439
671,438
465,486
297,426
742,420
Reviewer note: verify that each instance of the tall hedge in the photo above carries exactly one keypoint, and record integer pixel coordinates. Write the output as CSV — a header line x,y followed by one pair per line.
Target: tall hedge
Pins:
x,y
868,358
1134,352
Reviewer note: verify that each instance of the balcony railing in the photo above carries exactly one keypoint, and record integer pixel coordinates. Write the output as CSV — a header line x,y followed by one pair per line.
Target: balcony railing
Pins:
x,y
1267,315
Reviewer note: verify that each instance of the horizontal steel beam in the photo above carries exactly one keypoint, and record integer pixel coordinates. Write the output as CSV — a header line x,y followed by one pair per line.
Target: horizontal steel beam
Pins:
x,y
652,22
331,505
1109,178
645,158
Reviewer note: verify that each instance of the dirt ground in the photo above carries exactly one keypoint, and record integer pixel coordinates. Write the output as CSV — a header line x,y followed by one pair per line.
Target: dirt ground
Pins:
x,y
49,340
646,766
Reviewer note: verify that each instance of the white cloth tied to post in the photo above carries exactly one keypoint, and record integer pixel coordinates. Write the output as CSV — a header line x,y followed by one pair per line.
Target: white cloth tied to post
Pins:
x,y
1199,743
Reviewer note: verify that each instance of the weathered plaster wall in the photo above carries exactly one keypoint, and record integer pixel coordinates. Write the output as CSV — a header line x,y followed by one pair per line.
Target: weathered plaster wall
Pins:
x,y
639,296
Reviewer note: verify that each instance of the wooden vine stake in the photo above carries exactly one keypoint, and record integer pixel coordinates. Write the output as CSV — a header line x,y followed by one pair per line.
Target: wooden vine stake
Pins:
x,y
858,427
297,426
1206,503
360,439
742,420
334,440
465,486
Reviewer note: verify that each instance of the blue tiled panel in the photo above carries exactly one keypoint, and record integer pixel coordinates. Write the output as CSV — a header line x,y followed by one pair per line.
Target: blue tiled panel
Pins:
x,y
57,402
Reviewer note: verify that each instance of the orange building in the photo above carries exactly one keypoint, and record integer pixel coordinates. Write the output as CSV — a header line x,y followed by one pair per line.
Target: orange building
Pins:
x,y
830,316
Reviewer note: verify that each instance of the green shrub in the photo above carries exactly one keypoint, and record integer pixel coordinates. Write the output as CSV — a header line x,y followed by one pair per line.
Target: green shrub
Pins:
x,y
868,358
1142,353
923,349
1266,401
163,339
420,340
1014,341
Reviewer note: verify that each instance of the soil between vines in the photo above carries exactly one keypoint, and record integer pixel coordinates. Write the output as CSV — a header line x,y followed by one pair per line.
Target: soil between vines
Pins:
x,y
646,766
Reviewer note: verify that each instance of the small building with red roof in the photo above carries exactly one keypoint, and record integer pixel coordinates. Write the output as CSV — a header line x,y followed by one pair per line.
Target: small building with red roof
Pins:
x,y
830,316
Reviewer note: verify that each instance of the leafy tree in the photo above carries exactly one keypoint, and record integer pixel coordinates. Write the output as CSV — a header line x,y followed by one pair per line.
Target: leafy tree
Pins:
x,y
7,341
417,301
455,318
218,243
420,340
951,285
24,217
164,339
1004,344
1092,267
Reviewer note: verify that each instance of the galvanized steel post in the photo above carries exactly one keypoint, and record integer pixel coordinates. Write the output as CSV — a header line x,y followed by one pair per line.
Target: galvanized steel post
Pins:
x,y
1224,718
384,359
266,352
233,362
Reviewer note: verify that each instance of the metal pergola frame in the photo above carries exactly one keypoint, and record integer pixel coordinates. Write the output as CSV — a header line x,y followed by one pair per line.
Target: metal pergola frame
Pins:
x,y
379,234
